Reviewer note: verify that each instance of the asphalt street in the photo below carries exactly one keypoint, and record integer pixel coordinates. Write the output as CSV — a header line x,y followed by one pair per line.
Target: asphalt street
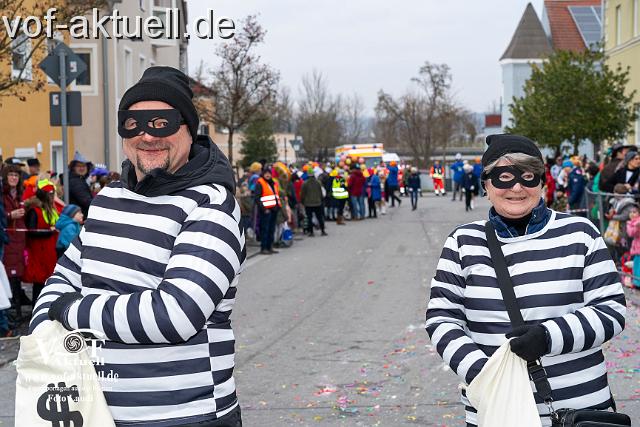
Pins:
x,y
331,332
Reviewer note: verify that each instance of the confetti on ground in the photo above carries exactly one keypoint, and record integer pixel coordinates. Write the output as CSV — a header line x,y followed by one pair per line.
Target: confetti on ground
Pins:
x,y
326,390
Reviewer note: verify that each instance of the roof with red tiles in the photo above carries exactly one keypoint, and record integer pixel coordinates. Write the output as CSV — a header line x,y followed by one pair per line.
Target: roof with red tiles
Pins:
x,y
492,120
564,32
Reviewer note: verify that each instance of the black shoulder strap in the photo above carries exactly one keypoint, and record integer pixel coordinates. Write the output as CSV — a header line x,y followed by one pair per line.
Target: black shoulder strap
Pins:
x,y
536,370
503,277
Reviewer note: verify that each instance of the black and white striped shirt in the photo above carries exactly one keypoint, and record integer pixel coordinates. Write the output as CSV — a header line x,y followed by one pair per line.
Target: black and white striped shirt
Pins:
x,y
563,278
158,277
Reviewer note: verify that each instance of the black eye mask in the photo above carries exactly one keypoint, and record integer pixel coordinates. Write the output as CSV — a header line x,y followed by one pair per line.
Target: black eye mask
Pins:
x,y
158,123
494,176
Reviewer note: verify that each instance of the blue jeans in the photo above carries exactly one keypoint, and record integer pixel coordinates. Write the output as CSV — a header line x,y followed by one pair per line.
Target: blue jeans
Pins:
x,y
267,228
358,207
361,206
414,197
4,323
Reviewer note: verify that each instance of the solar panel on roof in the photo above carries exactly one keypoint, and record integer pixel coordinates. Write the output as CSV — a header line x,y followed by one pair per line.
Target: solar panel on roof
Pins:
x,y
589,23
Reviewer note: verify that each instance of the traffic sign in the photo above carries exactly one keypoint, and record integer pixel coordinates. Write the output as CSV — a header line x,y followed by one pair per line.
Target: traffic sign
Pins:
x,y
63,66
74,109
74,64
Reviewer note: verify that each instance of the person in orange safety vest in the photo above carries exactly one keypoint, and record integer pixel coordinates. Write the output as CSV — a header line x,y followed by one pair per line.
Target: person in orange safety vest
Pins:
x,y
267,194
437,175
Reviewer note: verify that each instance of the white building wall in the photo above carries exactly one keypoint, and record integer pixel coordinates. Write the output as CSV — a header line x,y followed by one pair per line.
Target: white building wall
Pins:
x,y
515,73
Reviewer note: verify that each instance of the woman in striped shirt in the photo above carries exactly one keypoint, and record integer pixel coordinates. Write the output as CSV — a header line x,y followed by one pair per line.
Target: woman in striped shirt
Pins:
x,y
566,286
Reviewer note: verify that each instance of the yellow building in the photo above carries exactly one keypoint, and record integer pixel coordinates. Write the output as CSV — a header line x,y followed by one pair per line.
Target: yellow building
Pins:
x,y
24,124
622,45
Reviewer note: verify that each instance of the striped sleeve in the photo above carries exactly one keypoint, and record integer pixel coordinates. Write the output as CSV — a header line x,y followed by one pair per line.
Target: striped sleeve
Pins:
x,y
205,260
446,320
603,315
65,278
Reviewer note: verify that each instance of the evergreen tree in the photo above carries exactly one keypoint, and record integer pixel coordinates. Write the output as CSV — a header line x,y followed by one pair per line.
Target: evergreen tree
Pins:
x,y
574,97
258,143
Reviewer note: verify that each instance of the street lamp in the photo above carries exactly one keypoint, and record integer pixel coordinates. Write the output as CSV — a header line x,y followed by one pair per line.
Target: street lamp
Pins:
x,y
285,149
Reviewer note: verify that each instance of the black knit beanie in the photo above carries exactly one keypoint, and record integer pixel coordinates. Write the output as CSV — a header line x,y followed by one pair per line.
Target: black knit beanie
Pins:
x,y
165,84
499,145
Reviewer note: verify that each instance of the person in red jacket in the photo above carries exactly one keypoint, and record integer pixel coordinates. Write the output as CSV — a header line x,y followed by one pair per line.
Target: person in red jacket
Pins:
x,y
356,186
41,217
550,184
13,258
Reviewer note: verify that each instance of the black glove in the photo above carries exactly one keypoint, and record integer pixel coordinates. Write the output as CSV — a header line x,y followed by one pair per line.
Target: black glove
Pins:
x,y
531,342
58,309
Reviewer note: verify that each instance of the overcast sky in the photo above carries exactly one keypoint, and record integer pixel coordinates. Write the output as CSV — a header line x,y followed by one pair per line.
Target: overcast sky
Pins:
x,y
364,46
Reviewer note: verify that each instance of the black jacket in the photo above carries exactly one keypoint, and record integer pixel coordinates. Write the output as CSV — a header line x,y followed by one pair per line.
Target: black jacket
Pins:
x,y
79,192
607,176
620,177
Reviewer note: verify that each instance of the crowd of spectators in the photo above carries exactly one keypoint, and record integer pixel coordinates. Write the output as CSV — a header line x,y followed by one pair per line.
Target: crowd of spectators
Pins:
x,y
608,194
307,196
36,226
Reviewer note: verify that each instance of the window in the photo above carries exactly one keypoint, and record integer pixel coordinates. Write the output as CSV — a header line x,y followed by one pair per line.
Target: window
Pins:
x,y
84,79
160,9
128,69
56,157
618,25
87,82
20,57
142,64
203,129
635,12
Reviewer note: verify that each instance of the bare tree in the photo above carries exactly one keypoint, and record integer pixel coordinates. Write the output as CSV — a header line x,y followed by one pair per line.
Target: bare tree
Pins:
x,y
18,52
318,116
449,124
405,119
352,119
421,119
282,111
242,86
385,129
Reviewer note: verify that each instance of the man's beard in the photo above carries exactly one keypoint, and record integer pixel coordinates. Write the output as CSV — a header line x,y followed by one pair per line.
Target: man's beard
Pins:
x,y
140,166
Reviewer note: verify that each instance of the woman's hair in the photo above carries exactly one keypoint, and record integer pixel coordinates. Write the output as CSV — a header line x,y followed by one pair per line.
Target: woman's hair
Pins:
x,y
47,202
593,169
5,183
522,161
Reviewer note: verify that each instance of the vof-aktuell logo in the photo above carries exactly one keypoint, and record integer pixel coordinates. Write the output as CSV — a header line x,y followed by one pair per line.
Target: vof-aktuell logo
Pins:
x,y
77,341
167,25
85,340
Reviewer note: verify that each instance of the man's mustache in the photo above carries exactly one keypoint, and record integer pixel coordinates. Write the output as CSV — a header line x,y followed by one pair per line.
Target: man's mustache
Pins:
x,y
152,147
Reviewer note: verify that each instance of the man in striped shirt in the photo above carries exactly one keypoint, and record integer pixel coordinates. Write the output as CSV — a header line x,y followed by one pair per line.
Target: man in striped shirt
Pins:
x,y
156,266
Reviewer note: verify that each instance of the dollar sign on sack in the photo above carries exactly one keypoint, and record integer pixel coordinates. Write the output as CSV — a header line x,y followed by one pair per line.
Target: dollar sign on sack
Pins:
x,y
53,405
